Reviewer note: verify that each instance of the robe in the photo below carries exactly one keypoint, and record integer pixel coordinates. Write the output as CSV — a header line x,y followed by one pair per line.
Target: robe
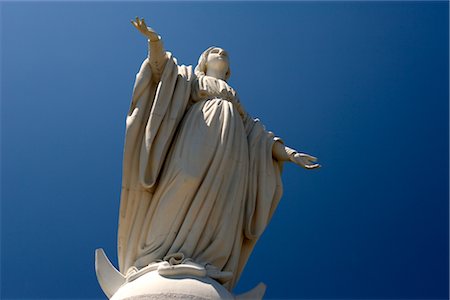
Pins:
x,y
198,174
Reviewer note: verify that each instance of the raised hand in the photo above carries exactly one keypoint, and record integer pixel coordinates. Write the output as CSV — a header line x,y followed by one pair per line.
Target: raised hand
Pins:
x,y
144,29
304,160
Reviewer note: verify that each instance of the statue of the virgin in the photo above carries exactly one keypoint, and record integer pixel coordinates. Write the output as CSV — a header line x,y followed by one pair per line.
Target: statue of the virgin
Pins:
x,y
201,177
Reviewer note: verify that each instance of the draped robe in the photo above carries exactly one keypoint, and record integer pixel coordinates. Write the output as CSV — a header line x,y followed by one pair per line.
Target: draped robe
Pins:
x,y
198,174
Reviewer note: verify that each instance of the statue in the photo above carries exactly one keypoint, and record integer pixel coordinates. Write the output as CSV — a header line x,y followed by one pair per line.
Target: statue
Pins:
x,y
201,177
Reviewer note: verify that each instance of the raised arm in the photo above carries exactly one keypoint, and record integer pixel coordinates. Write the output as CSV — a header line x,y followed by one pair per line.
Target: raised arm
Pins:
x,y
156,53
284,153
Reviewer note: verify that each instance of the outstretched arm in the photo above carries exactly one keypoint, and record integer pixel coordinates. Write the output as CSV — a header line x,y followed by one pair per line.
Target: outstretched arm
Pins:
x,y
284,153
156,53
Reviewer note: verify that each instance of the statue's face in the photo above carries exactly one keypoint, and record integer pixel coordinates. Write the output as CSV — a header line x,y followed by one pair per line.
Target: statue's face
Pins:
x,y
217,59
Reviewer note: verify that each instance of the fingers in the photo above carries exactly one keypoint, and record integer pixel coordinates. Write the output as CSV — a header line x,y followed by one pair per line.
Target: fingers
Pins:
x,y
314,166
138,23
310,157
306,156
307,161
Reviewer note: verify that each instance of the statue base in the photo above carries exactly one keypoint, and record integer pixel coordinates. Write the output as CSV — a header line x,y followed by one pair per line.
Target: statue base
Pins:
x,y
154,286
164,281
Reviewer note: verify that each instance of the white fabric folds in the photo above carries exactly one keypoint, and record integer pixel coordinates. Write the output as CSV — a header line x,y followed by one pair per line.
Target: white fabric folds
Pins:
x,y
198,174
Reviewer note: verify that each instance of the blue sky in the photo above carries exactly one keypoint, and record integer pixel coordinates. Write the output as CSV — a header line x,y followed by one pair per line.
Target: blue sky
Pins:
x,y
361,85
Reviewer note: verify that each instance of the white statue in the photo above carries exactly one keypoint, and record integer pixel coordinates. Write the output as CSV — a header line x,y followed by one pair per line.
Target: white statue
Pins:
x,y
201,177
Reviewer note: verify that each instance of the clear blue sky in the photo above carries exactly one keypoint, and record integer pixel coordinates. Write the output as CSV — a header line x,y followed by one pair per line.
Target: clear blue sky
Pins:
x,y
361,85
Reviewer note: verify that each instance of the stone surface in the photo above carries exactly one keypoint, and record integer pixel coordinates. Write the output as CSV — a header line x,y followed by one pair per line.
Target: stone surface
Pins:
x,y
154,286
201,177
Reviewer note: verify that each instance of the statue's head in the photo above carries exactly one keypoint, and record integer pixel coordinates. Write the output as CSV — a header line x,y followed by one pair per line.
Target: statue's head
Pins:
x,y
213,58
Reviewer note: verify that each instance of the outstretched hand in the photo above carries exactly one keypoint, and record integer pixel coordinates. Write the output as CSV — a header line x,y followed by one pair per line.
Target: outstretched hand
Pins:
x,y
305,160
144,29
